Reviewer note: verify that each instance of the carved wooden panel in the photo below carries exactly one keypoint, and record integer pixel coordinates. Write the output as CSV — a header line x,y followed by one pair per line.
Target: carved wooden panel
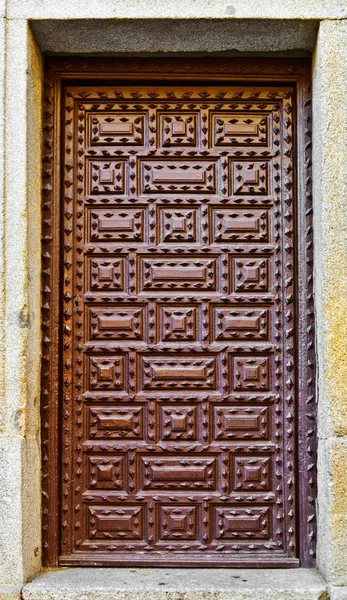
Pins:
x,y
179,315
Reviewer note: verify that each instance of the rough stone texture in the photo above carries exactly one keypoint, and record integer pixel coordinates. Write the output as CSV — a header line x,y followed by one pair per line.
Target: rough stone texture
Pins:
x,y
176,584
164,35
330,187
10,592
177,9
19,441
2,209
336,593
330,196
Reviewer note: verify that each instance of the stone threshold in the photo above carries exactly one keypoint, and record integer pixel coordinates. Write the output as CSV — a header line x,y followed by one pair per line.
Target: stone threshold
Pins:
x,y
175,584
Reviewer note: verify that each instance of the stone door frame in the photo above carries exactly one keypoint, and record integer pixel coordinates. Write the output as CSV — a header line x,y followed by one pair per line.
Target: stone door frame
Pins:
x,y
231,70
29,29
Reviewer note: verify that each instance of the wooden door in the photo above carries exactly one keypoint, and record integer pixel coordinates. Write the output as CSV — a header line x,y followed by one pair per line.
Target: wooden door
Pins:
x,y
178,346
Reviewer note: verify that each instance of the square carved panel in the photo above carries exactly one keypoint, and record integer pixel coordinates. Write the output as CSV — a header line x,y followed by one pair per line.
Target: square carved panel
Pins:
x,y
249,178
106,473
251,473
106,177
250,274
178,423
251,373
178,224
178,129
107,373
178,323
178,523
107,273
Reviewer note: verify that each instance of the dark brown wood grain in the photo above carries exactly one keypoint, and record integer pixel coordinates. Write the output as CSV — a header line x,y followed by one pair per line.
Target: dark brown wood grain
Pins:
x,y
178,418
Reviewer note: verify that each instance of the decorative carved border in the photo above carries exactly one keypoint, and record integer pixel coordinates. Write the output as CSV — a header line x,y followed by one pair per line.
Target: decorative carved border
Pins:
x,y
278,71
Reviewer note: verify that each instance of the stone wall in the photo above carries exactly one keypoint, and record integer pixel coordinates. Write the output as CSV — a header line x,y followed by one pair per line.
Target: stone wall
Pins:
x,y
287,27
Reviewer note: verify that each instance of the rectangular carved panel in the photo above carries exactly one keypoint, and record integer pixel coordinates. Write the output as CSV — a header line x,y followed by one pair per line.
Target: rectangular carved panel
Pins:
x,y
117,323
240,129
117,225
173,176
242,524
124,422
182,372
172,274
240,225
240,323
117,129
235,423
179,473
123,523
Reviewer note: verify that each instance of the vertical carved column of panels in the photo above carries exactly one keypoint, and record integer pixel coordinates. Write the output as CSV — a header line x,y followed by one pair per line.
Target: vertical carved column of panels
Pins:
x,y
179,376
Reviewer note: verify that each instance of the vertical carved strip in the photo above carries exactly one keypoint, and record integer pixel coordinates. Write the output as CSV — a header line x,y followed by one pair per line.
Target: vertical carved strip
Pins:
x,y
279,325
50,337
69,224
289,390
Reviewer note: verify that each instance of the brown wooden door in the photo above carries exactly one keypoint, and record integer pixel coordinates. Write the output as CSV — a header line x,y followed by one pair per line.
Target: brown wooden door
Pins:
x,y
179,304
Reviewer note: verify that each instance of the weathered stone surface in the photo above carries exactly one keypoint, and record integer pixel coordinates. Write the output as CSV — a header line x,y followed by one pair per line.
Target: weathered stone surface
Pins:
x,y
10,592
2,218
19,439
330,196
162,35
176,584
336,593
177,9
20,510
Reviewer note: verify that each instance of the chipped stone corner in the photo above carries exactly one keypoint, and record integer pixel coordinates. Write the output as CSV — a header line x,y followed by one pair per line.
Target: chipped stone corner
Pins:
x,y
10,592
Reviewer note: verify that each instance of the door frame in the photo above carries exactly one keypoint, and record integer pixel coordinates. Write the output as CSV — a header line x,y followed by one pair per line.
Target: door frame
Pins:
x,y
62,70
